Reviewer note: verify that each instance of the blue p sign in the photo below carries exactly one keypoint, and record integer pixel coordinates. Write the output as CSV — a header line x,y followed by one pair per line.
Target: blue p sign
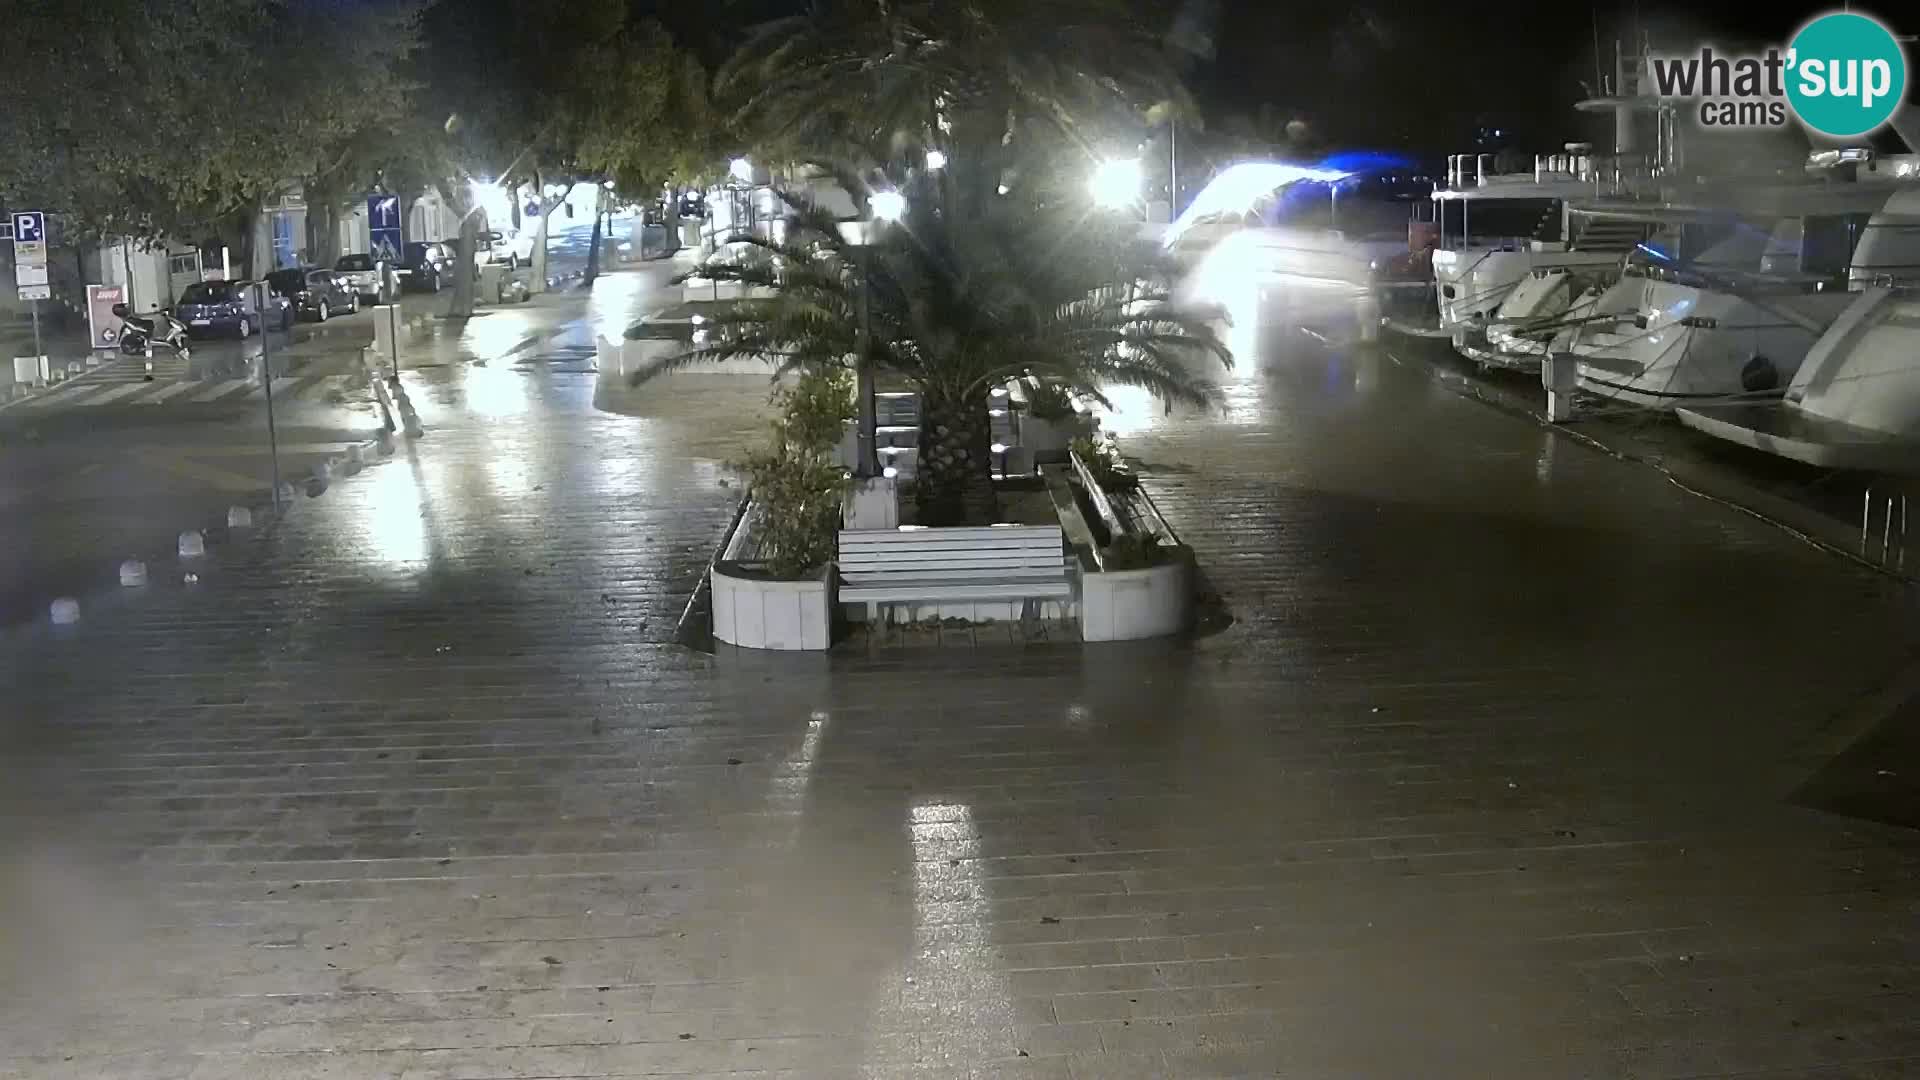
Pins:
x,y
30,226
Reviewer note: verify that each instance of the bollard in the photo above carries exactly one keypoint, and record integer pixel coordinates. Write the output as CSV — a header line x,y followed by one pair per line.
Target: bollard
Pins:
x,y
1558,375
192,544
133,573
286,494
322,472
384,446
356,454
239,517
1366,312
65,611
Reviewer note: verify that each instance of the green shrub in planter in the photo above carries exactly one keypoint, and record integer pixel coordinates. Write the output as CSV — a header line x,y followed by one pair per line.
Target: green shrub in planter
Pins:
x,y
1104,463
1135,551
796,481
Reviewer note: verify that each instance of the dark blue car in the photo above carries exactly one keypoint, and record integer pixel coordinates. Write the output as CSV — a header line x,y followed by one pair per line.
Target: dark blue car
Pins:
x,y
231,307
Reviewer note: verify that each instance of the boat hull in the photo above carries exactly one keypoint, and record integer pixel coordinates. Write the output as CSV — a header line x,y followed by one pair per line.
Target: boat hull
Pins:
x,y
1673,345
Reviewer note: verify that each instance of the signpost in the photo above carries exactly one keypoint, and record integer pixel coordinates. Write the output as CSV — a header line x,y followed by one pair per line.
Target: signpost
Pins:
x,y
30,264
384,240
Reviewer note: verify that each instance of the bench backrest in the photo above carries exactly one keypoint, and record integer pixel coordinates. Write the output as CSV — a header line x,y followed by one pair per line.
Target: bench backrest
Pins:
x,y
969,553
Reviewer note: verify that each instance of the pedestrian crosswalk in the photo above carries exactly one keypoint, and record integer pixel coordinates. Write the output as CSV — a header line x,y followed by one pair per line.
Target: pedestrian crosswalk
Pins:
x,y
124,385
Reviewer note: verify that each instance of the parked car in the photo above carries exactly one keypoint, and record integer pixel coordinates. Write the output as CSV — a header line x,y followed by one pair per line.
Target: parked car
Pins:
x,y
319,293
511,248
424,267
237,307
361,274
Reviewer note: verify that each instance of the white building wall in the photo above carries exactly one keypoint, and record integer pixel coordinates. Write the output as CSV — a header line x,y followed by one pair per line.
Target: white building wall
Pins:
x,y
431,219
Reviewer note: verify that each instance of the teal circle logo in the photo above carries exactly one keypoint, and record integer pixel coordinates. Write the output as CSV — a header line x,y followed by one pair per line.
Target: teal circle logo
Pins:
x,y
1845,74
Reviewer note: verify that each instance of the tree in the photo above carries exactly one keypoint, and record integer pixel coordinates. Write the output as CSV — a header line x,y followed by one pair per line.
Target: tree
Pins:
x,y
577,92
965,293
910,75
131,125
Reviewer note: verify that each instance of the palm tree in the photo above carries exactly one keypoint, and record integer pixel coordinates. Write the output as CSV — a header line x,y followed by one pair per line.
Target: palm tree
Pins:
x,y
905,73
965,293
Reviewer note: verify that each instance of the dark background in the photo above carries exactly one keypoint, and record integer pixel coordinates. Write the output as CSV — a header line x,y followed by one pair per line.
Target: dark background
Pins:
x,y
1427,78
1415,76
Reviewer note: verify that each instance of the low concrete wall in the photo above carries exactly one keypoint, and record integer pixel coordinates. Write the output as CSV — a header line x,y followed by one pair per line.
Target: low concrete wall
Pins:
x,y
625,357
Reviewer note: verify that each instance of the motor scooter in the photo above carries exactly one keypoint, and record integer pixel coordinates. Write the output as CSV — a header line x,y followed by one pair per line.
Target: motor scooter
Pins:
x,y
140,333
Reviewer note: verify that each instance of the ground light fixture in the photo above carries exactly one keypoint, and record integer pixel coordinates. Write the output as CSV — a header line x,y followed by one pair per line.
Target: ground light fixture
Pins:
x,y
1115,184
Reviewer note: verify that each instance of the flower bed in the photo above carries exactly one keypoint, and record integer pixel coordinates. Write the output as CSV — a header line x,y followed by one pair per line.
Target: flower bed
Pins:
x,y
1140,584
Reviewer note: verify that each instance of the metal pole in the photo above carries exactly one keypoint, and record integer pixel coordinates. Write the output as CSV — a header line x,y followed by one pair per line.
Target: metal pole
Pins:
x,y
863,374
1173,167
273,434
37,350
393,329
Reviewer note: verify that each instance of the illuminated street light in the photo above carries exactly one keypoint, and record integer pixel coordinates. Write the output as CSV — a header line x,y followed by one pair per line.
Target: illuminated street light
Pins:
x,y
741,169
1115,184
936,160
888,205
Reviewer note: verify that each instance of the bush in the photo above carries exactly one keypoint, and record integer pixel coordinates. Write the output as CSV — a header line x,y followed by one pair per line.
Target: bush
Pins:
x,y
1050,402
797,484
1134,551
1103,461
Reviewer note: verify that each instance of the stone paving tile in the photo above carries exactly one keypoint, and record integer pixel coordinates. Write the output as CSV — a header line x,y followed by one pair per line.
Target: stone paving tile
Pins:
x,y
416,786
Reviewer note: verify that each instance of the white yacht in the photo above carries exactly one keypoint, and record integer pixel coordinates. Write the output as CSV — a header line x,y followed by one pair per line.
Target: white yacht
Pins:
x,y
1855,402
1730,292
1494,231
1506,250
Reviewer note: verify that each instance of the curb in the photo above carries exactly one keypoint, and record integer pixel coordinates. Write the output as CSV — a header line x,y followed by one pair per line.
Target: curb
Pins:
x,y
74,371
195,547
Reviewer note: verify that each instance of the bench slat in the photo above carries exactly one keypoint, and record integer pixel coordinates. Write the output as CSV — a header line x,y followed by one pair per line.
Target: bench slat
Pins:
x,y
1016,558
934,590
1009,562
956,550
959,573
959,535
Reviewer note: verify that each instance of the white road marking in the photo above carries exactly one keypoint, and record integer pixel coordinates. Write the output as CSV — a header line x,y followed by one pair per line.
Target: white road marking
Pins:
x,y
221,390
173,391
116,393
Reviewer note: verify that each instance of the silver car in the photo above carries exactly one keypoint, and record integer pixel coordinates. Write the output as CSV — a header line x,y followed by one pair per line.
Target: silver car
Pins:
x,y
361,274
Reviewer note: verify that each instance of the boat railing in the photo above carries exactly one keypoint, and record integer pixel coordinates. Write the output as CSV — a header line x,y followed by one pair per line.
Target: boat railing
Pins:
x,y
1742,282
1610,174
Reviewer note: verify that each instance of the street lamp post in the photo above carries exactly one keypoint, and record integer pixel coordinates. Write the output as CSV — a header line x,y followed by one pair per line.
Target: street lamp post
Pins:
x,y
885,206
869,436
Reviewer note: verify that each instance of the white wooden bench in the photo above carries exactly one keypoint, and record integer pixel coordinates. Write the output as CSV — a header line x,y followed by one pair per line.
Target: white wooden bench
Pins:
x,y
916,564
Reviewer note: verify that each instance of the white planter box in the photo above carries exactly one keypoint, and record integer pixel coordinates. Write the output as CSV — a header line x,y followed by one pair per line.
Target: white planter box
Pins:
x,y
1125,605
757,613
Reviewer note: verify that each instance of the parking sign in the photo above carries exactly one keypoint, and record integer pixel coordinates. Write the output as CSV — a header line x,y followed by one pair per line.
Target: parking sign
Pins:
x,y
30,226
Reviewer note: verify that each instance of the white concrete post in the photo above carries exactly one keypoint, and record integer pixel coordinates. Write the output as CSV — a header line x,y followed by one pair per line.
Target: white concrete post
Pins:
x,y
1366,313
1557,374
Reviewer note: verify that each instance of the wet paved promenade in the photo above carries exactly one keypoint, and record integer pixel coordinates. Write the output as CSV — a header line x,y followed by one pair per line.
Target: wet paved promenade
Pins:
x,y
1489,778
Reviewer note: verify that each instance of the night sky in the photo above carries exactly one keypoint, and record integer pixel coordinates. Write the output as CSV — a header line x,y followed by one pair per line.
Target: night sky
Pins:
x,y
1387,73
1421,77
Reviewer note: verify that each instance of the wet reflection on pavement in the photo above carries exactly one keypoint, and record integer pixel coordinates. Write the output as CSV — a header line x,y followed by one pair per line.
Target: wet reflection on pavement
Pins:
x,y
1486,779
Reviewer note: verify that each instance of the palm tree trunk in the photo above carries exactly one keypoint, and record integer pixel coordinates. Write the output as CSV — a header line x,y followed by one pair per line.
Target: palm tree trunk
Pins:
x,y
955,485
